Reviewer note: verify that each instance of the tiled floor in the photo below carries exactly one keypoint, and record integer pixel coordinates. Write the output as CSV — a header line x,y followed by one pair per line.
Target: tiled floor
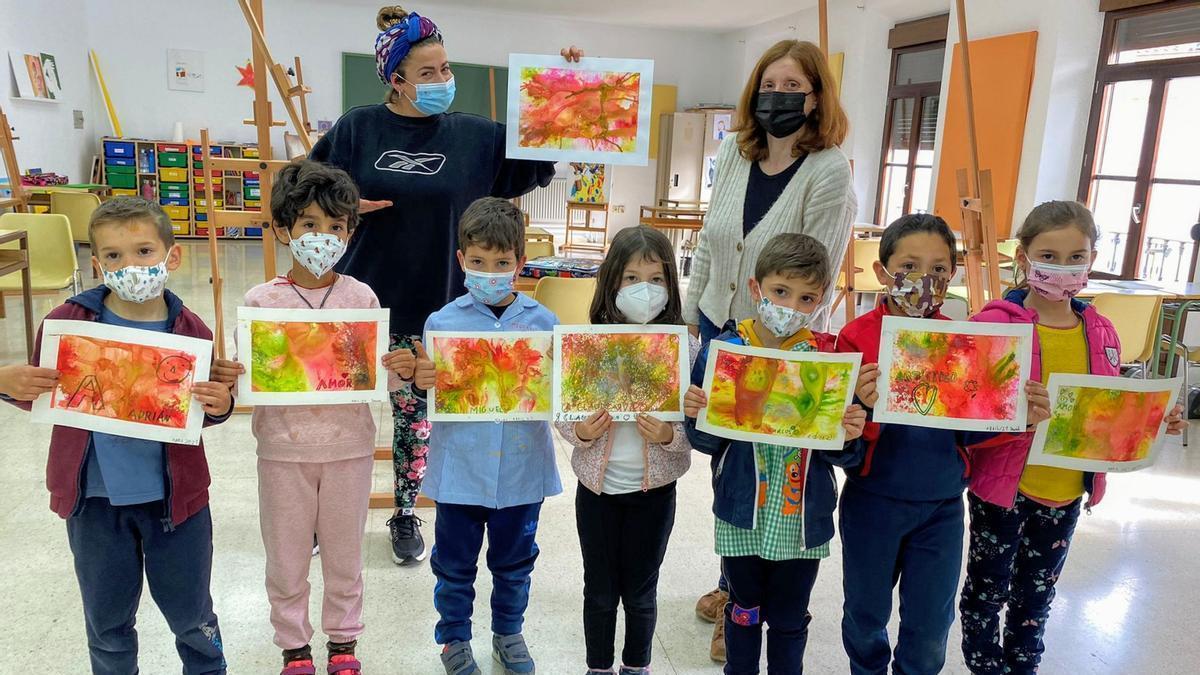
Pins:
x,y
1127,600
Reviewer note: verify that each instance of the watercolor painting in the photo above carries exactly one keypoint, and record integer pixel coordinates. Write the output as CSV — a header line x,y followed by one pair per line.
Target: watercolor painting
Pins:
x,y
953,374
788,398
123,381
312,356
1100,423
626,370
597,110
588,186
485,377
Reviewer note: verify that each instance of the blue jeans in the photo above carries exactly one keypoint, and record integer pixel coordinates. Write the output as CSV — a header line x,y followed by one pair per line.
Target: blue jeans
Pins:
x,y
458,538
1015,558
113,546
917,544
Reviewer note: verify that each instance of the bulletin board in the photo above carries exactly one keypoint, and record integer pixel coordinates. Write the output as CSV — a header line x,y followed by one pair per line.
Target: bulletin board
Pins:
x,y
1002,75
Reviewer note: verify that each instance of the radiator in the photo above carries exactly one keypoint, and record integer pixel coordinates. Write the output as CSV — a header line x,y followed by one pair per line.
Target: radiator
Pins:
x,y
548,206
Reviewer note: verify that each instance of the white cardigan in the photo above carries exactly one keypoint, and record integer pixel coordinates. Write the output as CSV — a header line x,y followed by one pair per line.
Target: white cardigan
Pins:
x,y
819,201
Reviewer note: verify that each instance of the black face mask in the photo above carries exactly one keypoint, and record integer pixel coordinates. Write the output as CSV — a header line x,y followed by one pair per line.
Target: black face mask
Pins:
x,y
781,113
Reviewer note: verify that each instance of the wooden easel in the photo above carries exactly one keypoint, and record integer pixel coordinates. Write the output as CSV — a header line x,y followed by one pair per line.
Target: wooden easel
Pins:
x,y
19,201
975,199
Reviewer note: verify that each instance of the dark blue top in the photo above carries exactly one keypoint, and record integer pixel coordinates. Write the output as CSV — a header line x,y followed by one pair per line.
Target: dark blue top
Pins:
x,y
431,168
762,191
125,470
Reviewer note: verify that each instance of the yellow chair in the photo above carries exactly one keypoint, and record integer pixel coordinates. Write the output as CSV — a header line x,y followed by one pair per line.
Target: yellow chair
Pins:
x,y
569,299
77,207
52,261
538,249
1135,317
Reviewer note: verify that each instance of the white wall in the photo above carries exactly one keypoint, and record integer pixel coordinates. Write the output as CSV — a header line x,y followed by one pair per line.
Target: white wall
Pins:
x,y
318,32
1060,97
48,137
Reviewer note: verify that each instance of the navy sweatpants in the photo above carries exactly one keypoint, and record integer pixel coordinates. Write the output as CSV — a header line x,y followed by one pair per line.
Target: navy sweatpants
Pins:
x,y
917,544
113,547
1015,559
458,538
774,592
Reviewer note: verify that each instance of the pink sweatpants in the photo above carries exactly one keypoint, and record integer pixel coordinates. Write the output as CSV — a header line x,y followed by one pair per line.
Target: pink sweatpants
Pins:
x,y
296,499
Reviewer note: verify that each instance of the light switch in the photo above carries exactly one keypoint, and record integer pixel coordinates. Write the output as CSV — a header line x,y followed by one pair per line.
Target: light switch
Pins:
x,y
78,118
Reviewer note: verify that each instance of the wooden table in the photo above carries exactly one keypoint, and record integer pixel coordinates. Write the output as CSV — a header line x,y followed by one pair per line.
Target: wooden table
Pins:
x,y
12,261
671,218
40,195
538,234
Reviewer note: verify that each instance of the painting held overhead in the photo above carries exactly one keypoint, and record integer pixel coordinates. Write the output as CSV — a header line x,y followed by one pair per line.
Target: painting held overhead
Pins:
x,y
953,374
788,398
490,376
1100,423
625,370
312,356
597,110
123,381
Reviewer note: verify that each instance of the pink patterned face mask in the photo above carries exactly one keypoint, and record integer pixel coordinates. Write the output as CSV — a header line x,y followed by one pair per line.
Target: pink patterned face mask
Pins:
x,y
1057,282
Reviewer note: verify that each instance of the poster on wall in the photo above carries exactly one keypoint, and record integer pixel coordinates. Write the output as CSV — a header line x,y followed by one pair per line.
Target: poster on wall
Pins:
x,y
721,125
597,110
36,75
185,70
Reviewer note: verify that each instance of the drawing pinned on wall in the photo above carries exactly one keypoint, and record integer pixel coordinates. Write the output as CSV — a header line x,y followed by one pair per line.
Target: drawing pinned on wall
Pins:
x,y
312,356
953,374
626,370
185,70
597,110
710,171
788,398
1100,423
486,377
123,381
722,123
589,185
246,73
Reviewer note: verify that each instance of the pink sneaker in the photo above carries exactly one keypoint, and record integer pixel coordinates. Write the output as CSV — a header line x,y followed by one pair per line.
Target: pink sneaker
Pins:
x,y
345,664
301,667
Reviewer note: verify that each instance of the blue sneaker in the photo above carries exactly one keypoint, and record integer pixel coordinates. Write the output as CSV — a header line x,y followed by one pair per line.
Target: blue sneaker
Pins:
x,y
458,659
511,653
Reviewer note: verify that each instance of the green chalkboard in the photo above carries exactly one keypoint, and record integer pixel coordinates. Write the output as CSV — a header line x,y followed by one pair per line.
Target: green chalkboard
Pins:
x,y
361,86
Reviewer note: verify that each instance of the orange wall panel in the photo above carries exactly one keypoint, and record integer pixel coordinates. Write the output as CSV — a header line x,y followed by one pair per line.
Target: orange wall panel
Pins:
x,y
1001,75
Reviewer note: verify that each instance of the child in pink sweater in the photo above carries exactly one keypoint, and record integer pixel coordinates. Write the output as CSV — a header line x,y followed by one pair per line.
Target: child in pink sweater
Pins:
x,y
314,462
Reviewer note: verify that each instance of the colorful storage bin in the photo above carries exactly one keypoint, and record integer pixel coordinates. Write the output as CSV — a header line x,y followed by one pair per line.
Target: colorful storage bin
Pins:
x,y
123,192
121,180
118,149
129,169
173,201
177,212
118,161
252,192
171,147
251,153
181,227
172,159
173,175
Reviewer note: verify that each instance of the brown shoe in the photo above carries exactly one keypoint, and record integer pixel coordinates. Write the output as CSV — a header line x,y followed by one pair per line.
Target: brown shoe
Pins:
x,y
711,606
716,651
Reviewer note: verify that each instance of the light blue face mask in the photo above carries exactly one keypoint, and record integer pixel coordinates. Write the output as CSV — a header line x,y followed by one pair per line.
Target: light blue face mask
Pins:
x,y
435,97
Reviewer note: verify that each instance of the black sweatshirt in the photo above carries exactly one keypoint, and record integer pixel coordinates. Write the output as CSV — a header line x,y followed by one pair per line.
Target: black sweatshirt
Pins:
x,y
431,168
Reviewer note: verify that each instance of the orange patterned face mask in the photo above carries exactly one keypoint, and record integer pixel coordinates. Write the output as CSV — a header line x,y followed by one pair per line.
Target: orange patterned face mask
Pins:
x,y
919,295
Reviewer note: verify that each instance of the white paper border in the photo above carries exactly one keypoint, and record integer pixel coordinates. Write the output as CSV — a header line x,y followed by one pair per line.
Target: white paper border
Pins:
x,y
639,157
894,324
1037,452
52,332
431,339
837,443
246,315
681,334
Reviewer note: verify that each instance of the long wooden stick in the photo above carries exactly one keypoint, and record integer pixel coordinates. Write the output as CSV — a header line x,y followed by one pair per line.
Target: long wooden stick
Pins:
x,y
823,21
210,206
968,90
282,82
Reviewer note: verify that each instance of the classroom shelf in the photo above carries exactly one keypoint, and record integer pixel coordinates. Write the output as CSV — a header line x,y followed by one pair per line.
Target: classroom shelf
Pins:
x,y
172,175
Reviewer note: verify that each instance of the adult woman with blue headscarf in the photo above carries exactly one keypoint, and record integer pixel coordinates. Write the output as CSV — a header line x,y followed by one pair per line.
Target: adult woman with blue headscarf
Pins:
x,y
417,167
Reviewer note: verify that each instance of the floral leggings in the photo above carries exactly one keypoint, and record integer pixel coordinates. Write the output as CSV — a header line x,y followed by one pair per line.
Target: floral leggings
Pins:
x,y
410,437
1016,557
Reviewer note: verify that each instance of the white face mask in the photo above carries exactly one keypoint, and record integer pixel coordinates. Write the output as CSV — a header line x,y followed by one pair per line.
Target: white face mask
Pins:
x,y
782,321
137,284
641,302
317,252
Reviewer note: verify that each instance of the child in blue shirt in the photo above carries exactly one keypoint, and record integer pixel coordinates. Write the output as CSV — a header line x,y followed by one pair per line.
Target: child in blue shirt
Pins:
x,y
491,475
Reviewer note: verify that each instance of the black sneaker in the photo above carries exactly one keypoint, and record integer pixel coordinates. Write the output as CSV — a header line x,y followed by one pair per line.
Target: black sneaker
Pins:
x,y
407,545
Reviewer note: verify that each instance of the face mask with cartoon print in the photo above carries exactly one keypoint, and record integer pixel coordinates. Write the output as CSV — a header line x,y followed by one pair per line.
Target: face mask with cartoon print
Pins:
x,y
137,284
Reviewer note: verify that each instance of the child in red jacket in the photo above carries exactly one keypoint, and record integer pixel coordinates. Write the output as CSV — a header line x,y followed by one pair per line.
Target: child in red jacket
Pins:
x,y
133,505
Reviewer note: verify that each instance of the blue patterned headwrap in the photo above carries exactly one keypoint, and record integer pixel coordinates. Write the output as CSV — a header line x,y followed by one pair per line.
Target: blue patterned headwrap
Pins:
x,y
396,42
